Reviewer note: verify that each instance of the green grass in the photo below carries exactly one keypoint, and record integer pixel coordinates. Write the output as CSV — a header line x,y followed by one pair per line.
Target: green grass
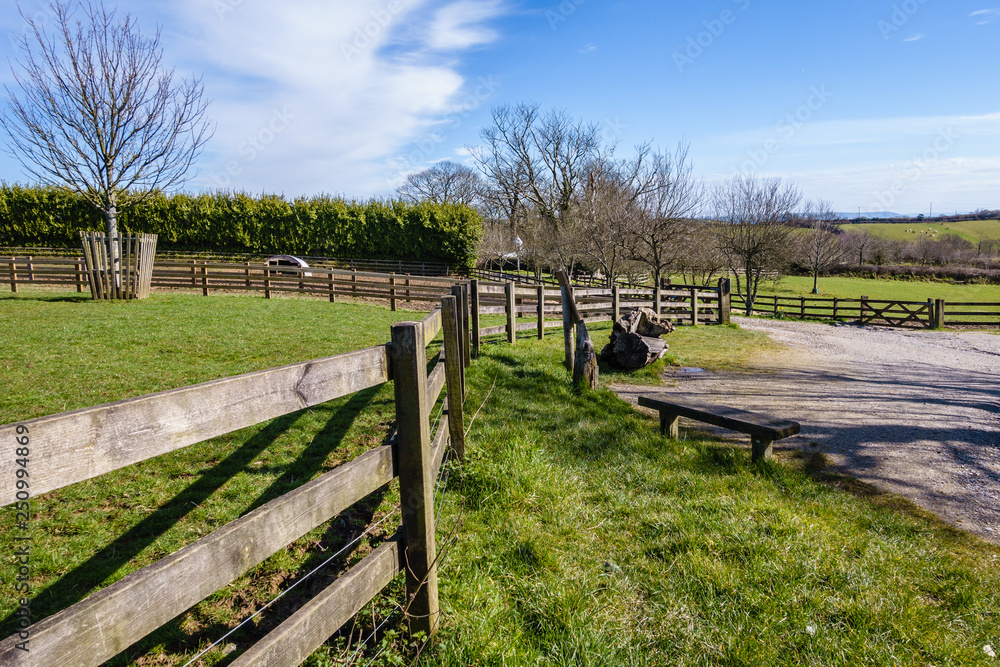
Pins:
x,y
577,535
970,230
582,537
62,352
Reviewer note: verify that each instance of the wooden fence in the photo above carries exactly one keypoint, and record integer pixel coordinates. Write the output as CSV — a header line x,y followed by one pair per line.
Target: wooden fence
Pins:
x,y
683,304
931,313
207,277
73,446
370,265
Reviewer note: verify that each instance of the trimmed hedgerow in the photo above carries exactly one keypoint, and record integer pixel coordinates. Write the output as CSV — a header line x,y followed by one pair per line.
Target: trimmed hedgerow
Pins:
x,y
236,222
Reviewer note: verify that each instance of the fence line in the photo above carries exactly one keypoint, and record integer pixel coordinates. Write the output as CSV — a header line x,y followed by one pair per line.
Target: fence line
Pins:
x,y
120,434
930,313
375,265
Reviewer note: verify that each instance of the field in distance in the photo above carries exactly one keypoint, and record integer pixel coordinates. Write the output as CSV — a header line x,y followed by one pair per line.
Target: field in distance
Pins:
x,y
970,230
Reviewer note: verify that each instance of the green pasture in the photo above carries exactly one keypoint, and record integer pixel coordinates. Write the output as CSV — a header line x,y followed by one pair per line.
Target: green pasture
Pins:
x,y
973,231
574,534
903,290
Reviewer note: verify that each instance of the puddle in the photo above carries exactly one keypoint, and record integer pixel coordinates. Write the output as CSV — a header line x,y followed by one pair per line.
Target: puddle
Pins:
x,y
686,372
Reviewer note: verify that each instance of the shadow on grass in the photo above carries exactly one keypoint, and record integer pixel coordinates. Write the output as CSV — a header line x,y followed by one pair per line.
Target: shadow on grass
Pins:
x,y
51,298
89,575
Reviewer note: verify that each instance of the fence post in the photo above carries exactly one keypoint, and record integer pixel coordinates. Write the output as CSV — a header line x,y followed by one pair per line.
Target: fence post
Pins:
x,y
863,307
416,483
541,312
725,301
657,297
802,307
454,374
694,306
616,303
456,293
31,270
834,307
332,285
354,278
475,317
466,329
204,278
246,272
408,288
267,283
194,272
392,291
939,306
13,277
79,274
567,295
511,310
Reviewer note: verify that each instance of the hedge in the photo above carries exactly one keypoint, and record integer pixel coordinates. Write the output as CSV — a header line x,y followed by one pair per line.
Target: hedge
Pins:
x,y
236,222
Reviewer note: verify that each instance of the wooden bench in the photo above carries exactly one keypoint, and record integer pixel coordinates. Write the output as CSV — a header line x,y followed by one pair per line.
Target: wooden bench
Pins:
x,y
762,429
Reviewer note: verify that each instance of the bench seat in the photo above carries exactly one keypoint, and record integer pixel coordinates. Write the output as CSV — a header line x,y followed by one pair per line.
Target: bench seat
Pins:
x,y
762,429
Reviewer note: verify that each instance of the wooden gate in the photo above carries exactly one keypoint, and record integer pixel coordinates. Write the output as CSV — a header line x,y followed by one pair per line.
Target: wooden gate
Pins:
x,y
887,313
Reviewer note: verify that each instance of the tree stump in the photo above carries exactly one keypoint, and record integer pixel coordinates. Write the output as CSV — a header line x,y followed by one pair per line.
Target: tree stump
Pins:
x,y
635,341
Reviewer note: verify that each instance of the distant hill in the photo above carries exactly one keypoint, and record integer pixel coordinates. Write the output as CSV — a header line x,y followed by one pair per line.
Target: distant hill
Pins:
x,y
882,215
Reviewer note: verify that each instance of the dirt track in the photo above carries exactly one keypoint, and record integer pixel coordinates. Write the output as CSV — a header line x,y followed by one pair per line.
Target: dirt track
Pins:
x,y
912,412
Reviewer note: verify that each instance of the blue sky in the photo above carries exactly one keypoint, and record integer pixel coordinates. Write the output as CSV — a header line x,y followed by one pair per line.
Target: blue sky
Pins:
x,y
877,105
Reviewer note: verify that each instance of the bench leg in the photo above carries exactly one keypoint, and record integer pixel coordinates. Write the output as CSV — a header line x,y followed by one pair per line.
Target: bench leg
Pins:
x,y
668,425
762,448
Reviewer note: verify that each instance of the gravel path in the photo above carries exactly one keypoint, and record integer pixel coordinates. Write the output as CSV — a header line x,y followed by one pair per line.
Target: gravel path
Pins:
x,y
912,412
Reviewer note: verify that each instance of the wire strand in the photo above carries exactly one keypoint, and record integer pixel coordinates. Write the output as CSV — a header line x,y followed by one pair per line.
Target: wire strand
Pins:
x,y
287,590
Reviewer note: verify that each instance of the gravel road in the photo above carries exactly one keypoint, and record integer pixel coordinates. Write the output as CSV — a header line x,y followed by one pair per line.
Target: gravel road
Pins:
x,y
912,412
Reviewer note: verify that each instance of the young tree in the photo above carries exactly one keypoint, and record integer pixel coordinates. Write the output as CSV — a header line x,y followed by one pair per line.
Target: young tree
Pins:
x,y
99,113
820,247
660,231
444,182
753,235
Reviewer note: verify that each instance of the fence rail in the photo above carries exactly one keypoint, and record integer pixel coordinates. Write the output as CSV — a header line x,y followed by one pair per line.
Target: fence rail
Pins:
x,y
930,313
374,265
87,443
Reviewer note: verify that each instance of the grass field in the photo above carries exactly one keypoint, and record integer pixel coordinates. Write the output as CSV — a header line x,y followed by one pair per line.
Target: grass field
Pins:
x,y
904,290
583,538
970,230
579,536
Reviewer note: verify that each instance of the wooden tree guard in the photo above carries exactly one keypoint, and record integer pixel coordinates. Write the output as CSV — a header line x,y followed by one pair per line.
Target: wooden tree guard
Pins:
x,y
119,267
585,368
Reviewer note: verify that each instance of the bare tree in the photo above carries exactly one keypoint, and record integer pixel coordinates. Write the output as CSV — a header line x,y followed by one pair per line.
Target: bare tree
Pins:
x,y
659,232
699,260
540,161
445,182
608,207
820,247
753,234
98,111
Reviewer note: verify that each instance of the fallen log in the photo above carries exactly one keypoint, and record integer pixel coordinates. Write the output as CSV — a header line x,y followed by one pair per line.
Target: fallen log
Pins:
x,y
635,341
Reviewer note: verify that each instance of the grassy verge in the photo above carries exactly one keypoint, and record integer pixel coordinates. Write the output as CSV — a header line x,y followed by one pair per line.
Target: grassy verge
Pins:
x,y
582,537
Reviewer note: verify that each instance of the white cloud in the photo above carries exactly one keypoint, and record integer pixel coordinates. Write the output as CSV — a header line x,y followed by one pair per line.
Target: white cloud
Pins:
x,y
459,25
985,15
914,38
590,48
311,96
